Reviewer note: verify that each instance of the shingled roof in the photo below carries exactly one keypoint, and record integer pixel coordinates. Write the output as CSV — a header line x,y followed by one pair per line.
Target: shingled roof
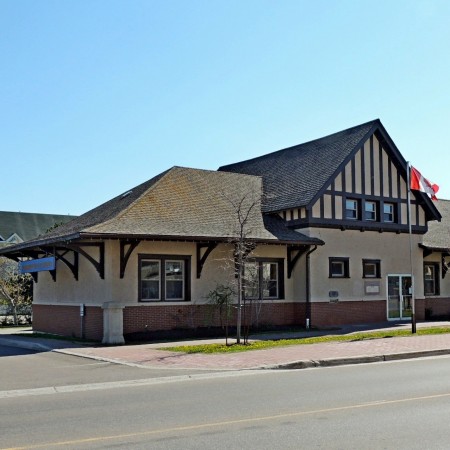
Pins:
x,y
293,176
180,203
438,235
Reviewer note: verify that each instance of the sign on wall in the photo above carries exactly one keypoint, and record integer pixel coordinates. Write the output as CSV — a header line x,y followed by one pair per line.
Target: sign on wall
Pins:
x,y
37,265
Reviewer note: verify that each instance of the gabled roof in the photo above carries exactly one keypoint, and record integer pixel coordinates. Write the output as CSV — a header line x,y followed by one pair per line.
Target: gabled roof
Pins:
x,y
438,235
180,203
28,225
294,176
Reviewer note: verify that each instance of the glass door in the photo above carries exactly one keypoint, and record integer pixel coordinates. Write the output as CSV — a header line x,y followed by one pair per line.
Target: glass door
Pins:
x,y
399,289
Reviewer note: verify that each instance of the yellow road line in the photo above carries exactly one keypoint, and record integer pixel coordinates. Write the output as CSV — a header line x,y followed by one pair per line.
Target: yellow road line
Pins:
x,y
226,423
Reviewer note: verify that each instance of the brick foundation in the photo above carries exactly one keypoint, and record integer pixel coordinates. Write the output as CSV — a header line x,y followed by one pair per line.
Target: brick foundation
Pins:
x,y
144,318
437,307
66,321
328,314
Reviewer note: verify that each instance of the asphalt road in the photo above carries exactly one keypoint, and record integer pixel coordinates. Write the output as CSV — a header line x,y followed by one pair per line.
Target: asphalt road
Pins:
x,y
398,405
27,369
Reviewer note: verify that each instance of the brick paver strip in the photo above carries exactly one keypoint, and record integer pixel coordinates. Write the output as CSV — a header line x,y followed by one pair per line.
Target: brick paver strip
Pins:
x,y
148,355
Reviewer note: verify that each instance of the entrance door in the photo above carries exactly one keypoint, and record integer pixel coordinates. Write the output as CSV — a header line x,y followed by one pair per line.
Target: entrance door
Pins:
x,y
399,289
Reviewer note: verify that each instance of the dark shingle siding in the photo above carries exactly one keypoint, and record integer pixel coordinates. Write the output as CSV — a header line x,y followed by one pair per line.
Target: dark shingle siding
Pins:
x,y
293,176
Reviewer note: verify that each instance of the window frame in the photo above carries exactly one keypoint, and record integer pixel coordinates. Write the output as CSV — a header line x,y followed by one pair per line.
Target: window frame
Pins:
x,y
355,209
259,263
390,214
344,261
436,279
372,213
372,262
162,260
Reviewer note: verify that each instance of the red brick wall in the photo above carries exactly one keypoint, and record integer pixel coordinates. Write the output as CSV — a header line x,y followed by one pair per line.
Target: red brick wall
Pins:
x,y
327,314
438,306
66,321
168,317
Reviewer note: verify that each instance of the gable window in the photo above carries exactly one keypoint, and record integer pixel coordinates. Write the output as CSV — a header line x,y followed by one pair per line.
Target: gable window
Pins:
x,y
263,279
339,268
371,268
388,212
370,210
351,209
431,278
164,278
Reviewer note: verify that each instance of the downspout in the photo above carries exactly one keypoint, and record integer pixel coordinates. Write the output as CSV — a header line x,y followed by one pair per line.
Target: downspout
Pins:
x,y
308,287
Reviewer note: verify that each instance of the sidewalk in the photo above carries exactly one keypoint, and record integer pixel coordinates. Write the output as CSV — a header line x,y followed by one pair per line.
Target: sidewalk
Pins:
x,y
295,356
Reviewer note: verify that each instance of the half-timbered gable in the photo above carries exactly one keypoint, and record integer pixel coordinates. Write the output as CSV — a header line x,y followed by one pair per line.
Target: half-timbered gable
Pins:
x,y
354,179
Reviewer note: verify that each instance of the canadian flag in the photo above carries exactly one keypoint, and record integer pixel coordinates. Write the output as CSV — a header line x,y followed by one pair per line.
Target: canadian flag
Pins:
x,y
420,183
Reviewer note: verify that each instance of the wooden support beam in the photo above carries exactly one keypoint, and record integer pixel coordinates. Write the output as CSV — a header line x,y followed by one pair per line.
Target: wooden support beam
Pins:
x,y
294,252
125,254
201,259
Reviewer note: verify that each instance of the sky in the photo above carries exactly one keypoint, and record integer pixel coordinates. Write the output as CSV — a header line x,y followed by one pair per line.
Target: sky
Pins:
x,y
98,96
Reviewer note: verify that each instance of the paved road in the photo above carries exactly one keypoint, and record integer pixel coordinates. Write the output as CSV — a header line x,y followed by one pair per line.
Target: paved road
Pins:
x,y
14,351
395,405
27,369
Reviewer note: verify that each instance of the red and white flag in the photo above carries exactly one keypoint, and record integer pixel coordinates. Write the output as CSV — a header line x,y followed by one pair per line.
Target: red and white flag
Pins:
x,y
420,183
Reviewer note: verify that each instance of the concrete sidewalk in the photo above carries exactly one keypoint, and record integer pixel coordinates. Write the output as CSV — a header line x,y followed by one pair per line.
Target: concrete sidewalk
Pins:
x,y
295,356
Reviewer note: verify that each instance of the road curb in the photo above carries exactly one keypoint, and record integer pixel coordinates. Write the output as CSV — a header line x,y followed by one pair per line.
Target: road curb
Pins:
x,y
306,364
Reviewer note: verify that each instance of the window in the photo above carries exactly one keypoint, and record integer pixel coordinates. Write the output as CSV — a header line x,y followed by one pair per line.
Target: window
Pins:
x,y
388,212
351,209
164,278
339,268
431,278
264,279
371,268
370,210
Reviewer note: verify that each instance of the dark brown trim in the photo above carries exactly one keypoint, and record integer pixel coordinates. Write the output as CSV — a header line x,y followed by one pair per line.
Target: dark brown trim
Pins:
x,y
98,264
125,255
293,255
201,259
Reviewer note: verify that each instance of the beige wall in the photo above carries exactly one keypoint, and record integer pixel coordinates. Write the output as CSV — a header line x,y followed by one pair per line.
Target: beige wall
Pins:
x,y
91,290
444,283
391,249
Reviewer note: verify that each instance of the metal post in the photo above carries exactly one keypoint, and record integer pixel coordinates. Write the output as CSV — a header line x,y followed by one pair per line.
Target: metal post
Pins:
x,y
413,299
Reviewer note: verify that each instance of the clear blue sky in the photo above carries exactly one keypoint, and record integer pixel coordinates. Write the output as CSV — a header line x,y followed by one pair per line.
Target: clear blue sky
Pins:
x,y
98,96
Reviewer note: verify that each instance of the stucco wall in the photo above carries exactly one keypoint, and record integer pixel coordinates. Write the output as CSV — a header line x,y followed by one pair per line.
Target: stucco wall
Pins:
x,y
391,249
91,290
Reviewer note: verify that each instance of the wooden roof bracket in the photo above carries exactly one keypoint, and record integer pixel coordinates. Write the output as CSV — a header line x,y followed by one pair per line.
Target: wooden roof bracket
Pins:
x,y
60,254
98,264
201,258
125,254
294,252
445,266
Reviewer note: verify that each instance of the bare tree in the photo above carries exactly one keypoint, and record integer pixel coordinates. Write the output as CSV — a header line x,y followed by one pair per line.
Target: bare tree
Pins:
x,y
15,289
244,209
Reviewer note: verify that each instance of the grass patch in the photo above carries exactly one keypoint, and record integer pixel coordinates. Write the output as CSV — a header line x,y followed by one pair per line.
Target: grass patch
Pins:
x,y
260,345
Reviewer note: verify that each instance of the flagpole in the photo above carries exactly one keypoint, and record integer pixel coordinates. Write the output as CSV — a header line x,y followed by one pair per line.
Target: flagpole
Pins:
x,y
413,300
